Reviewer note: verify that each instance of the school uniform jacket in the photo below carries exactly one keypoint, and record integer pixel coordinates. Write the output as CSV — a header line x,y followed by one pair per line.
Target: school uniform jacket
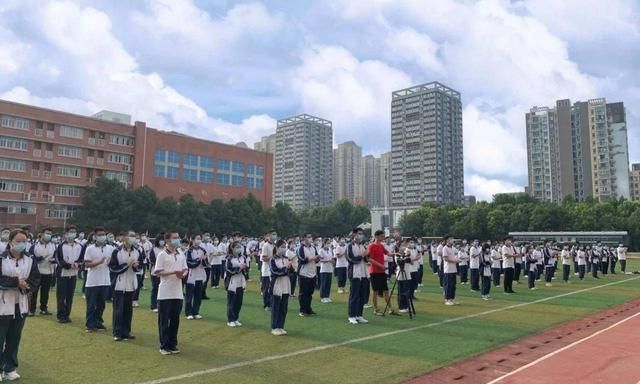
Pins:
x,y
124,279
308,266
196,264
357,263
10,294
45,264
234,277
280,283
65,262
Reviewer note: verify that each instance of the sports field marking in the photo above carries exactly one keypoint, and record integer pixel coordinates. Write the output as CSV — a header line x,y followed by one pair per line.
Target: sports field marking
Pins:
x,y
551,354
371,337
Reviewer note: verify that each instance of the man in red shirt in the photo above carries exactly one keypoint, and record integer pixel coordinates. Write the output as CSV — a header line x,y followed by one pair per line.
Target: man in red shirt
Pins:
x,y
377,253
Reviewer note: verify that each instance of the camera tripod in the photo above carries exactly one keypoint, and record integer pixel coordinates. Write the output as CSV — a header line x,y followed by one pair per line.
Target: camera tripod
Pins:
x,y
408,294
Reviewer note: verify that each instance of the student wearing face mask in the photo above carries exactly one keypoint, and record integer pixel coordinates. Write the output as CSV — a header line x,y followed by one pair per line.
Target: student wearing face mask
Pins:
x,y
208,248
125,262
327,260
357,255
18,277
280,288
341,265
293,260
196,261
4,238
411,268
68,257
450,260
171,268
158,246
508,263
235,283
307,259
266,253
96,261
43,253
485,270
475,253
139,272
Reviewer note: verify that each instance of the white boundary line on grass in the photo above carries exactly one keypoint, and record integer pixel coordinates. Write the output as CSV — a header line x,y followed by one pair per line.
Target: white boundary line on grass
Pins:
x,y
551,354
371,337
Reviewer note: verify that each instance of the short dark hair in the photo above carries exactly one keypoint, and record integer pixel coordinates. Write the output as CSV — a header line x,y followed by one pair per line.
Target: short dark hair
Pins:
x,y
71,227
447,236
378,233
167,235
45,229
99,229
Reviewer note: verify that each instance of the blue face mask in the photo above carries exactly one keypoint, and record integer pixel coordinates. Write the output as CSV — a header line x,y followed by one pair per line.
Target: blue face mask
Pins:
x,y
46,237
133,240
237,251
360,238
274,238
71,235
175,242
197,243
19,246
101,238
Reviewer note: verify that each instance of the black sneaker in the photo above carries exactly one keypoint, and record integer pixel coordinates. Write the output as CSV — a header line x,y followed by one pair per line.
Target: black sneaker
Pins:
x,y
101,327
130,337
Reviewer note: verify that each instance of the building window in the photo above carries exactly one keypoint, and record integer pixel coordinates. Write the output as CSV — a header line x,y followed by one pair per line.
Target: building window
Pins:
x,y
11,143
11,186
67,171
119,176
73,132
67,151
12,165
17,208
119,158
255,176
121,140
60,212
67,190
15,122
167,164
230,173
197,168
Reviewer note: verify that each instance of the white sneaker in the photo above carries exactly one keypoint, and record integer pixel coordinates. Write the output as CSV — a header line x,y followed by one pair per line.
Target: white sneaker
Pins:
x,y
189,317
548,285
340,290
198,317
136,304
362,320
13,375
449,302
367,305
352,320
403,311
276,332
231,324
239,324
84,297
420,285
283,331
329,300
155,310
164,352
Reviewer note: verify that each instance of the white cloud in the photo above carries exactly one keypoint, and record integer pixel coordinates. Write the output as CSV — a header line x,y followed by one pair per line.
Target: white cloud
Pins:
x,y
355,95
484,188
409,45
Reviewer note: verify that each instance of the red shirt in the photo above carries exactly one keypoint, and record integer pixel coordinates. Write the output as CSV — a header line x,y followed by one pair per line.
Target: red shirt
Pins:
x,y
377,252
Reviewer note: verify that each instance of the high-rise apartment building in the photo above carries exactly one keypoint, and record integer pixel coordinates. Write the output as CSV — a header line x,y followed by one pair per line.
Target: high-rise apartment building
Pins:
x,y
578,150
634,181
382,192
347,172
266,144
426,146
304,162
369,180
48,158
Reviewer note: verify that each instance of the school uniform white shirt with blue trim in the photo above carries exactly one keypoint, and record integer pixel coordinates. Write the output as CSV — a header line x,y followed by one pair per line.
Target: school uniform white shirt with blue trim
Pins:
x,y
98,276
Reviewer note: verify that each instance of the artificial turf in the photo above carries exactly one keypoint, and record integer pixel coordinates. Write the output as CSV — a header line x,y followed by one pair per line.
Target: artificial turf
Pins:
x,y
64,353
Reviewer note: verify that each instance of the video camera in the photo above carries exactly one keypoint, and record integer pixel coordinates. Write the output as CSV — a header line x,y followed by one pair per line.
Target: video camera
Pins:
x,y
401,260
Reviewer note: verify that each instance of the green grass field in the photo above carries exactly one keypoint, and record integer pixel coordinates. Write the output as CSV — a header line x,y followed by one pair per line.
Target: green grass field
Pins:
x,y
56,353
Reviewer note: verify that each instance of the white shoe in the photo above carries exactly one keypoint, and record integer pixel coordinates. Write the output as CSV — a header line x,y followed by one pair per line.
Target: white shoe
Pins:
x,y
420,285
84,297
403,311
340,290
548,285
13,375
189,317
164,352
486,298
231,324
329,300
155,310
367,305
352,320
362,320
449,302
276,332
283,331
198,317
135,304
239,324
533,289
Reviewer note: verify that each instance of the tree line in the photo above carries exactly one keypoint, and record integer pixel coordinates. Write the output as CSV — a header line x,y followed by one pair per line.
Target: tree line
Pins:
x,y
521,213
111,205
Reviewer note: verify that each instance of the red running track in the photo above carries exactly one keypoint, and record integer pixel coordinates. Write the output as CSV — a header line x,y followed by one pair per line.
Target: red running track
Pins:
x,y
611,355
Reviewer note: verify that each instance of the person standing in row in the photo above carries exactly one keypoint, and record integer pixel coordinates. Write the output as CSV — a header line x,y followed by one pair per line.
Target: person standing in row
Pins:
x,y
532,256
622,257
378,257
158,246
280,288
207,246
550,262
595,261
475,254
96,261
125,262
196,261
439,263
508,264
293,260
356,255
485,262
43,253
581,257
495,266
235,282
18,277
327,259
217,253
341,265
519,249
266,253
463,266
566,263
171,268
4,238
604,259
411,268
450,260
307,259
68,257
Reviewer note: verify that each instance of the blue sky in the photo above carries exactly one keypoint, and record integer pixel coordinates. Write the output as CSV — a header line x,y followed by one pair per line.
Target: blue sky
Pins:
x,y
227,70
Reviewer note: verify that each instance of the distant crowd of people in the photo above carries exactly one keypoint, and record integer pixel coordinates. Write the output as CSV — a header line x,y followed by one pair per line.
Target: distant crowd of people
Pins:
x,y
113,266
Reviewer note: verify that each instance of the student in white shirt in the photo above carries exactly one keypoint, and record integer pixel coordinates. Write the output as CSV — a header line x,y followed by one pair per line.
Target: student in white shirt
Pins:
x,y
208,248
307,259
196,261
326,271
235,282
357,255
293,259
4,238
341,265
484,269
69,258
125,262
171,267
581,257
439,263
43,253
18,276
450,259
463,266
266,253
508,265
622,257
280,288
475,254
96,261
216,253
496,259
158,246
566,263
